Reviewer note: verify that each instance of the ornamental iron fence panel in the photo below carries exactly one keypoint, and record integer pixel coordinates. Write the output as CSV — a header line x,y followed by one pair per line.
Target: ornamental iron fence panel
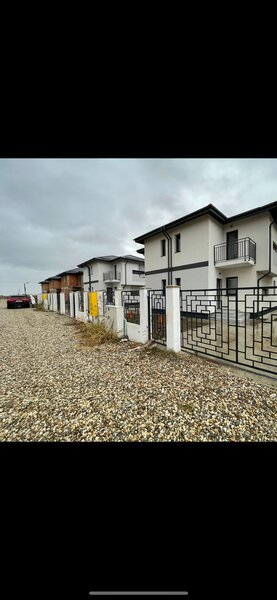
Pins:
x,y
238,325
157,316
131,306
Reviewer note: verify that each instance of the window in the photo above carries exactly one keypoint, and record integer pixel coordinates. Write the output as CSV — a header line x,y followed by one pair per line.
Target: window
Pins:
x,y
274,247
178,281
178,242
163,286
231,285
163,249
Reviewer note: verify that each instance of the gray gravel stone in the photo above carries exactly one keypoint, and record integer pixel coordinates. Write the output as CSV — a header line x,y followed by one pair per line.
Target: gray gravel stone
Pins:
x,y
52,388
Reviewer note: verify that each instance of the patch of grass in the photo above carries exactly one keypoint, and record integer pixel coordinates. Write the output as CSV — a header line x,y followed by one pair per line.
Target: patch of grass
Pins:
x,y
39,306
163,352
94,334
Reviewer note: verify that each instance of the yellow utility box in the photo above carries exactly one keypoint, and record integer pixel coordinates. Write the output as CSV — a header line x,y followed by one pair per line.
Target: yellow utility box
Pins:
x,y
93,304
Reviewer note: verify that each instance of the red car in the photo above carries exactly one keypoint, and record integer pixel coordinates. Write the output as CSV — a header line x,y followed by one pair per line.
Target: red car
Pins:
x,y
18,302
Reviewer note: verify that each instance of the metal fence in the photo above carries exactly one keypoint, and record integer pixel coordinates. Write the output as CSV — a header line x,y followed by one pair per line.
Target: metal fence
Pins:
x,y
81,303
157,316
131,306
108,298
238,325
67,304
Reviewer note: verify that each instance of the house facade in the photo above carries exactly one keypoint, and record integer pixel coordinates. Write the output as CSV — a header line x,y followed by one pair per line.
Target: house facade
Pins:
x,y
54,284
207,250
67,281
112,272
72,280
44,286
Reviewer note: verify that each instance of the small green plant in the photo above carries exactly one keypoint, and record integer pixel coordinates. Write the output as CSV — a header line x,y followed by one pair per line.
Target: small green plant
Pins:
x,y
94,334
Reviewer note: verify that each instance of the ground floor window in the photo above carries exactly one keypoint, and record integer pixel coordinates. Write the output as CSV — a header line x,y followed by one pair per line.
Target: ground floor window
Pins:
x,y
163,286
231,285
178,281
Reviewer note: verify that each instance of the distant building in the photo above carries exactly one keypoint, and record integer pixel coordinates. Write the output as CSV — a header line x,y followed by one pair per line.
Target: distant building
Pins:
x,y
67,281
112,272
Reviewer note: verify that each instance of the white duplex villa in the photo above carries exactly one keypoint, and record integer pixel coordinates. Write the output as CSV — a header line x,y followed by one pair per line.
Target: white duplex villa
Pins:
x,y
112,272
207,250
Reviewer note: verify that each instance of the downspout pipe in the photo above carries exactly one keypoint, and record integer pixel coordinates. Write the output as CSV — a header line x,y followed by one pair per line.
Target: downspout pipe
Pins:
x,y
89,277
125,283
269,268
169,260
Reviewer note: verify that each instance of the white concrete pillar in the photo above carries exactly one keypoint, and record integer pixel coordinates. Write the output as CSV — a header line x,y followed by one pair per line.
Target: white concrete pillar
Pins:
x,y
143,309
55,303
86,309
62,304
114,319
117,298
173,318
45,302
100,305
75,299
71,304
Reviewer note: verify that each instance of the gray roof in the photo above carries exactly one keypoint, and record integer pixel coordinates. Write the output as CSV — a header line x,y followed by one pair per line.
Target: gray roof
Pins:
x,y
70,272
111,258
214,212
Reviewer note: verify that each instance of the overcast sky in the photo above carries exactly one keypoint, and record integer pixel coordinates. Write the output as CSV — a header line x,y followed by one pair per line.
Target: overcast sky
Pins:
x,y
56,213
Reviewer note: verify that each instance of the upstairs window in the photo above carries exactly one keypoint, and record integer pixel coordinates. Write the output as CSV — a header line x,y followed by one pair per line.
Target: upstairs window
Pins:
x,y
163,286
274,247
163,248
178,242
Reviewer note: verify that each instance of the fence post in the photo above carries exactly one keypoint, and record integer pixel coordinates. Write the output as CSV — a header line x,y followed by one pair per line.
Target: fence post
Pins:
x,y
62,303
143,308
45,301
71,304
173,319
86,307
55,304
100,304
117,298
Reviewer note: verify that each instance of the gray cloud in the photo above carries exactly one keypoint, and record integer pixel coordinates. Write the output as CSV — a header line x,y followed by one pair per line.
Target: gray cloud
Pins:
x,y
56,213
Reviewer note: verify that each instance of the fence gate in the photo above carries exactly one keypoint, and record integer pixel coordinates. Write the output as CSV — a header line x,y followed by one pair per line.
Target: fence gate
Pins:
x,y
67,304
238,325
157,316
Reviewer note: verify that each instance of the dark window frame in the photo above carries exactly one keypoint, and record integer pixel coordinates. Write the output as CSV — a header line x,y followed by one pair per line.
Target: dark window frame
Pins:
x,y
178,279
177,242
163,286
163,247
231,291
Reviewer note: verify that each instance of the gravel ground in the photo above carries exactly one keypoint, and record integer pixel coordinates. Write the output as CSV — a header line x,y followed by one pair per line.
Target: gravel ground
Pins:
x,y
52,388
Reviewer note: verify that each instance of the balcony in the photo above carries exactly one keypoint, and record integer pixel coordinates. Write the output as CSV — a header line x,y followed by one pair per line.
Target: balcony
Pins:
x,y
112,277
241,253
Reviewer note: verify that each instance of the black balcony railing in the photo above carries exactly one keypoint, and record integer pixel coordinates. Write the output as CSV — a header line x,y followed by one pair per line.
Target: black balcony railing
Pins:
x,y
244,249
112,276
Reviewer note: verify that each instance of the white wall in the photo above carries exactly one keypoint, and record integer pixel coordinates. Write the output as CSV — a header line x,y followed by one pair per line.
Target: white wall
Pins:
x,y
198,239
99,268
194,245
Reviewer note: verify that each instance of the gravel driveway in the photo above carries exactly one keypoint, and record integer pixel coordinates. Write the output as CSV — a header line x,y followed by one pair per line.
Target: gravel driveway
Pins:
x,y
52,388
